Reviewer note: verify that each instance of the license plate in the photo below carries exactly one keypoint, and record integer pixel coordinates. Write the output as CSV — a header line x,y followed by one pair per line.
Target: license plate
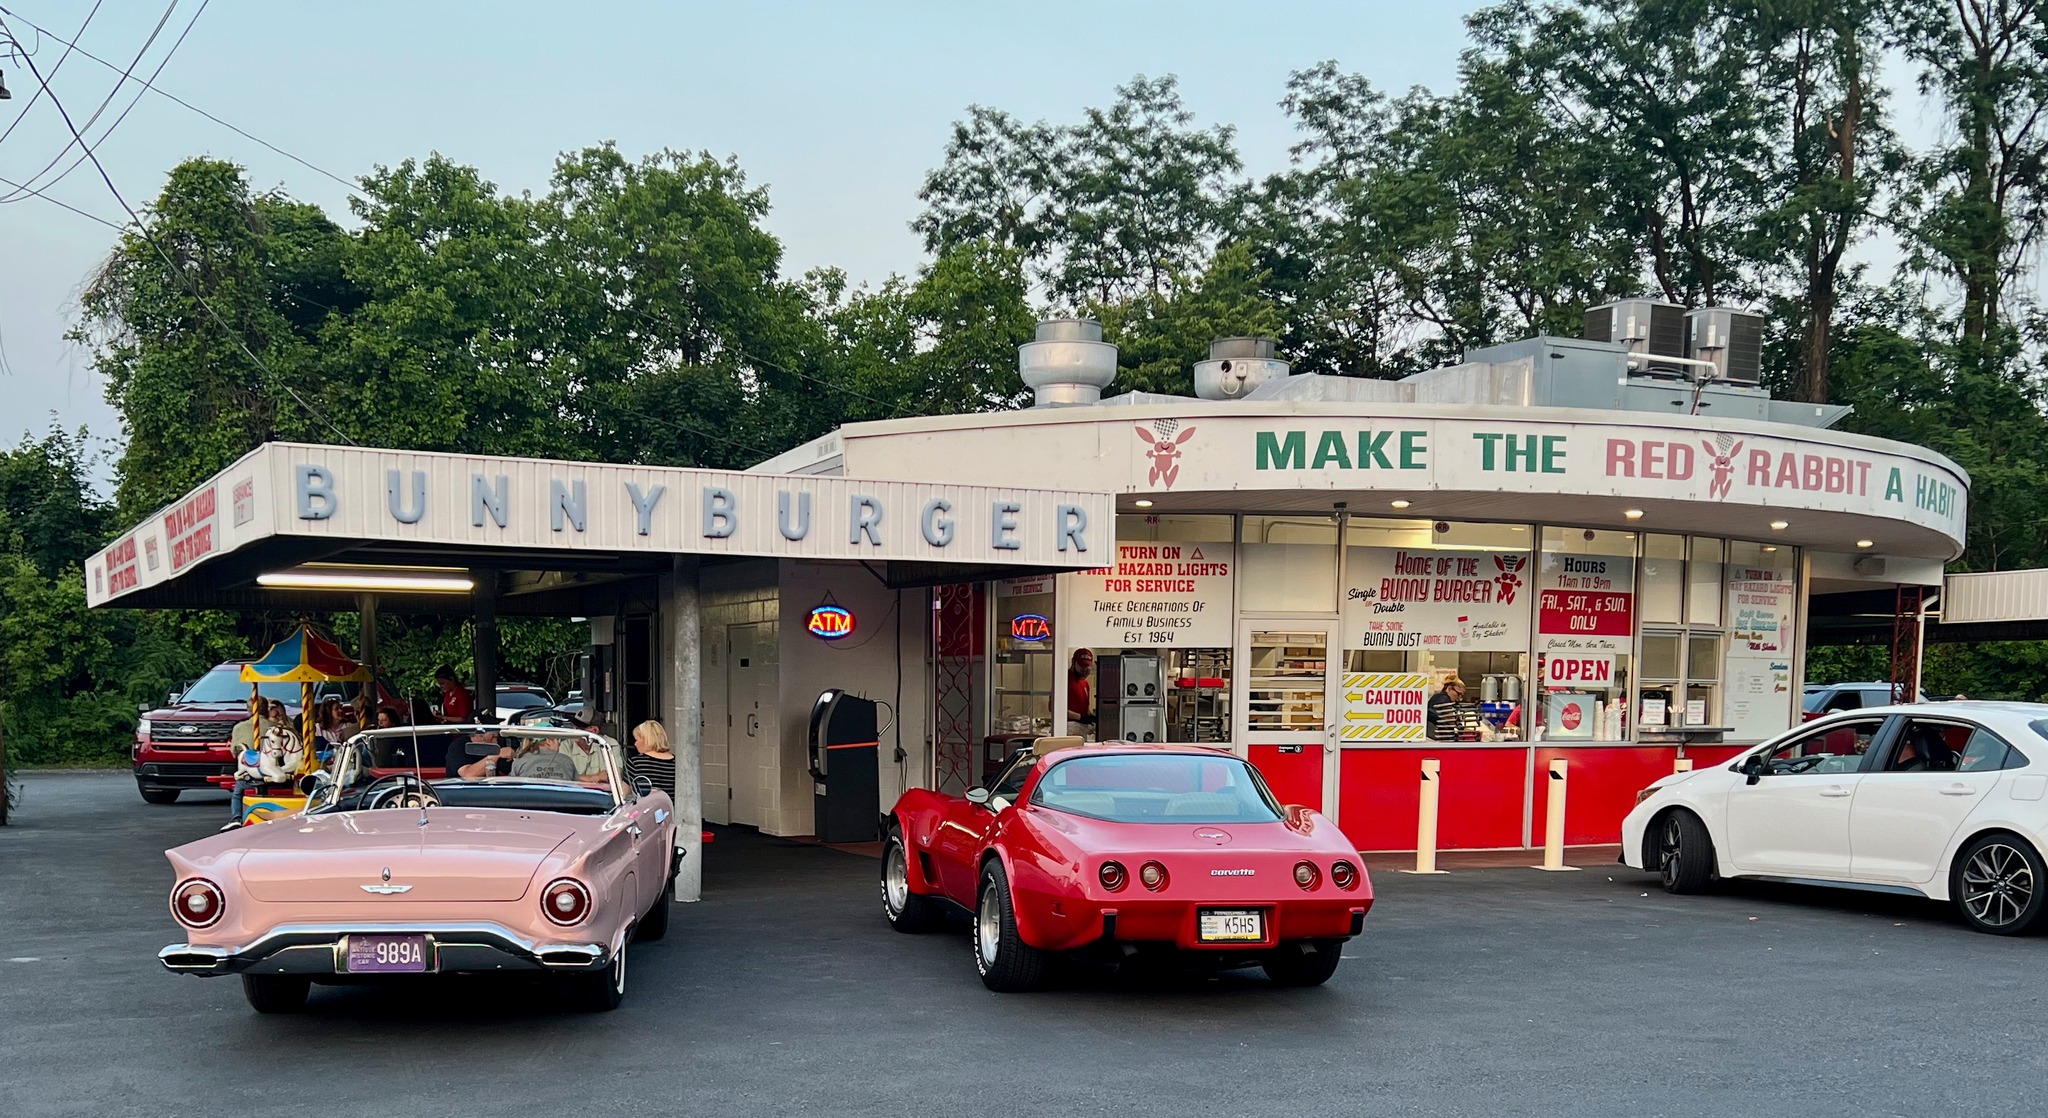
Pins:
x,y
1231,925
387,954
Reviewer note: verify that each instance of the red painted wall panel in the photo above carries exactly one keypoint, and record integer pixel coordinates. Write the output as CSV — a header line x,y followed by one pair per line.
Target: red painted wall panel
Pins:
x,y
1479,805
1297,778
1601,787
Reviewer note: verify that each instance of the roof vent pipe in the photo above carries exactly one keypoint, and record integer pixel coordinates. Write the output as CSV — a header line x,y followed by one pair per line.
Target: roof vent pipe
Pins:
x,y
1067,364
1236,366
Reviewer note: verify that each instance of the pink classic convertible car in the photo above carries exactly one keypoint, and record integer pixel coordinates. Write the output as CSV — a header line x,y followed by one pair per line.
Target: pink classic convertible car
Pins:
x,y
414,872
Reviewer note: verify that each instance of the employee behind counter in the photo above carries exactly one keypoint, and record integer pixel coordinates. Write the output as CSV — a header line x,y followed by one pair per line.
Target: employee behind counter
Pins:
x,y
1449,716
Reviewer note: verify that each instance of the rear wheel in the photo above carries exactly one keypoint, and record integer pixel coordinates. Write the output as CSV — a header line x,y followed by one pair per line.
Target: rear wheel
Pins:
x,y
1685,854
1007,964
1304,962
159,795
276,993
1998,883
907,911
602,991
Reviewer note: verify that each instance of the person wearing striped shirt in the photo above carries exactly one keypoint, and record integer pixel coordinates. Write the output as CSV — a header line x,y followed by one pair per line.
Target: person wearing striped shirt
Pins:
x,y
652,757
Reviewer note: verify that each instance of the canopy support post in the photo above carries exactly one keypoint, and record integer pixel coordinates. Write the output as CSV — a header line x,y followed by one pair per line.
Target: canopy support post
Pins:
x,y
486,604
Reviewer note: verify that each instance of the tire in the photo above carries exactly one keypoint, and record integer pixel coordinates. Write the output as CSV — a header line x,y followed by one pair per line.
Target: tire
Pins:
x,y
1007,964
159,795
1999,885
653,924
602,991
1684,852
276,993
908,912
1304,962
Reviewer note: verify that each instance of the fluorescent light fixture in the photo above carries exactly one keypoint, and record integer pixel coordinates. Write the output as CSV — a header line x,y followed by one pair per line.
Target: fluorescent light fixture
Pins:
x,y
1865,543
1779,525
1143,503
1632,514
337,576
1770,547
1400,504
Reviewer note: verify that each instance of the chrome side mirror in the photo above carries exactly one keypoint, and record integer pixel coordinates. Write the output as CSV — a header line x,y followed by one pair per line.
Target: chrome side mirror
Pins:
x,y
643,786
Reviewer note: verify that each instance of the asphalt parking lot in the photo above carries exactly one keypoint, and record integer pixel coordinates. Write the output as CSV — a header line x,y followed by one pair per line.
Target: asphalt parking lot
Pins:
x,y
1485,992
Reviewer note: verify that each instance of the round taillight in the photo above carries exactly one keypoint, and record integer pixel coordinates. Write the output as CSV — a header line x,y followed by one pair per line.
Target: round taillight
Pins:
x,y
1153,875
1307,875
1113,876
197,903
565,901
1344,875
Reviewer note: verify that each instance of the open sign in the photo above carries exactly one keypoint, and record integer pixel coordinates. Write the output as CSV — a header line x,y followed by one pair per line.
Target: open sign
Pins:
x,y
1030,627
1579,670
830,623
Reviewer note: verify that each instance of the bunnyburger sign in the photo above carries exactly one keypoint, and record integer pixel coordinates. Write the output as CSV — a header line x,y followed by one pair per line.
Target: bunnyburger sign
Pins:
x,y
286,489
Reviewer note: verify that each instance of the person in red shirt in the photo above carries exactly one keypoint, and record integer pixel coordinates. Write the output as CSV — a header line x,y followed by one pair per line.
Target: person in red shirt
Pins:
x,y
1079,709
456,705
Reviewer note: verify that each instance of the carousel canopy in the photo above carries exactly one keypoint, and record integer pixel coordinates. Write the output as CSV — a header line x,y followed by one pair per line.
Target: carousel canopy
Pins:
x,y
304,657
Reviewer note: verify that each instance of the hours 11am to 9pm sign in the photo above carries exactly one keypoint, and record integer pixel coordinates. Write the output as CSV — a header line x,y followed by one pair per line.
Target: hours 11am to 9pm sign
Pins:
x,y
1160,594
1586,603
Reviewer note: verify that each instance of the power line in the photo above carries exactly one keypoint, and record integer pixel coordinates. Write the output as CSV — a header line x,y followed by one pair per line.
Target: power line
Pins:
x,y
142,231
132,102
59,203
61,59
76,139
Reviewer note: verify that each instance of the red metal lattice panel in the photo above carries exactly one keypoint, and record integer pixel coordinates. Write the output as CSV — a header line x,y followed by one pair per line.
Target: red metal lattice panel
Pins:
x,y
957,642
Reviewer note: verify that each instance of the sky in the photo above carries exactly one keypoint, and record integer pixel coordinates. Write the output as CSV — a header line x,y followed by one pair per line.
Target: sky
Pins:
x,y
838,108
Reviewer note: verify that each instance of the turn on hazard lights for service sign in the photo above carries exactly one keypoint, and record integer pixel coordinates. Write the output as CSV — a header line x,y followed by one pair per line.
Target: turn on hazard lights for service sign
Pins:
x,y
1385,706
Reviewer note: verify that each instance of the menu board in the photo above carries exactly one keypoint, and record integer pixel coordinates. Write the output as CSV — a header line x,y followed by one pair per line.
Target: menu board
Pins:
x,y
1759,611
1585,603
1158,595
1403,599
1759,696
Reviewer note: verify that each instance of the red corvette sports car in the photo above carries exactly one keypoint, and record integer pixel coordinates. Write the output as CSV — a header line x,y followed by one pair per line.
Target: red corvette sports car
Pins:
x,y
1116,850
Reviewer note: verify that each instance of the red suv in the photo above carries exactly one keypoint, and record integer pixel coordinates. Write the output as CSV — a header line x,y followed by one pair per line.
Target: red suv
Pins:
x,y
179,746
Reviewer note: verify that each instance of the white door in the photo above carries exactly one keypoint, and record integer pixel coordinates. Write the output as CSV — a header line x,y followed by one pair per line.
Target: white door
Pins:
x,y
1793,819
1934,774
750,703
1286,714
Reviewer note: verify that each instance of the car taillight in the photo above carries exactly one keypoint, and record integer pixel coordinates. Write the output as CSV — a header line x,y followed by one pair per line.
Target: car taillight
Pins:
x,y
1153,875
1113,876
197,903
565,901
1344,875
1307,875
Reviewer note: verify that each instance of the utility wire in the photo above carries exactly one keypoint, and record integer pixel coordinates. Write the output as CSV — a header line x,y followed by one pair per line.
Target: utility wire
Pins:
x,y
76,139
132,102
142,231
68,48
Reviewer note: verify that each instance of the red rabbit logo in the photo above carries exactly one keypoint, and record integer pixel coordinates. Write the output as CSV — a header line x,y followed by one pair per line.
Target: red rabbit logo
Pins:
x,y
1165,452
1509,580
1722,462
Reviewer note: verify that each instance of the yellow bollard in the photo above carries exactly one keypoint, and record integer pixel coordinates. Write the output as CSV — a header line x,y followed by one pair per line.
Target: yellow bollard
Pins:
x,y
1553,830
1425,818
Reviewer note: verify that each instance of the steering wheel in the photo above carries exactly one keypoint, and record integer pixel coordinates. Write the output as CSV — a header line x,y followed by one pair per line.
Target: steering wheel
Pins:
x,y
1794,765
406,790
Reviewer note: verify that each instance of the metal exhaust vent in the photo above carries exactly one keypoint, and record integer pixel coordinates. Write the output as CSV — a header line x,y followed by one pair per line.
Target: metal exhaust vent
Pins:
x,y
1067,364
1236,366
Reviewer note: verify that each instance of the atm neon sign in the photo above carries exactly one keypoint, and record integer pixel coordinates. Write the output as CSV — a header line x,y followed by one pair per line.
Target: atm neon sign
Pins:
x,y
830,623
1030,627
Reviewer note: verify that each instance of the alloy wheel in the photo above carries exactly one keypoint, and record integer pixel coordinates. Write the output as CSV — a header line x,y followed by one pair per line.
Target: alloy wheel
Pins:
x,y
1998,885
988,928
1670,844
895,880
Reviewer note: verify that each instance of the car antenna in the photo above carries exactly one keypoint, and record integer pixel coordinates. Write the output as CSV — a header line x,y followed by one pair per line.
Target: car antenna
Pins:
x,y
419,773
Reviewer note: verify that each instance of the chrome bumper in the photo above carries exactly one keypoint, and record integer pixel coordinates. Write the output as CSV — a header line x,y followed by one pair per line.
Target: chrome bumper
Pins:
x,y
322,949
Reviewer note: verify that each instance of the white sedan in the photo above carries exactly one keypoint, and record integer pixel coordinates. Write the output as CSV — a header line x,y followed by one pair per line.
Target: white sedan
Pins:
x,y
1948,801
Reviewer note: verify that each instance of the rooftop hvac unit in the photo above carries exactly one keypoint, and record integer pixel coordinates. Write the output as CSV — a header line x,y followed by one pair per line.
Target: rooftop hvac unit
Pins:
x,y
1646,326
1732,340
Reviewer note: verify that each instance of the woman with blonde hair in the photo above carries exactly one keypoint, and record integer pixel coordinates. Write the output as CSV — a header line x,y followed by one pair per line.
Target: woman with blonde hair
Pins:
x,y
652,757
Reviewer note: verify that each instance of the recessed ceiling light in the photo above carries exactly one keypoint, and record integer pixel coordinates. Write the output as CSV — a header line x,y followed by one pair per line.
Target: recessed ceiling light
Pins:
x,y
1144,504
1865,543
1779,525
1632,514
1770,547
1400,504
1519,528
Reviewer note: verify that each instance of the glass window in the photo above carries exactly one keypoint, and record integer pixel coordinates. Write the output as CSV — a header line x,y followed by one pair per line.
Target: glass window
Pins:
x,y
1022,666
1703,583
1285,684
1925,746
1663,580
1586,609
1837,749
1132,788
1197,700
1986,751
1131,528
1288,564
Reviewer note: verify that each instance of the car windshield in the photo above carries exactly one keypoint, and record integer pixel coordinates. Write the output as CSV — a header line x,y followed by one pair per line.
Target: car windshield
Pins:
x,y
1158,788
482,766
523,699
224,685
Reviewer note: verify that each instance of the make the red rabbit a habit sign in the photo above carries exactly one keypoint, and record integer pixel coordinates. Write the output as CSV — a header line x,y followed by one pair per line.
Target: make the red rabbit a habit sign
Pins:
x,y
1586,603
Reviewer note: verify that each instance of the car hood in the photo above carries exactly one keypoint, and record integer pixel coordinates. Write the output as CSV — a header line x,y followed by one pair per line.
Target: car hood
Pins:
x,y
201,712
459,854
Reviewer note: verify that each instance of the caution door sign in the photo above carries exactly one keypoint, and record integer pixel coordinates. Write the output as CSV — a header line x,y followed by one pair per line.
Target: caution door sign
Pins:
x,y
1384,706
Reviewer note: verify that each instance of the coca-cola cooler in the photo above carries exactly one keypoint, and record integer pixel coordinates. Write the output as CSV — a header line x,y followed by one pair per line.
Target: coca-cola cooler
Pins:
x,y
845,768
